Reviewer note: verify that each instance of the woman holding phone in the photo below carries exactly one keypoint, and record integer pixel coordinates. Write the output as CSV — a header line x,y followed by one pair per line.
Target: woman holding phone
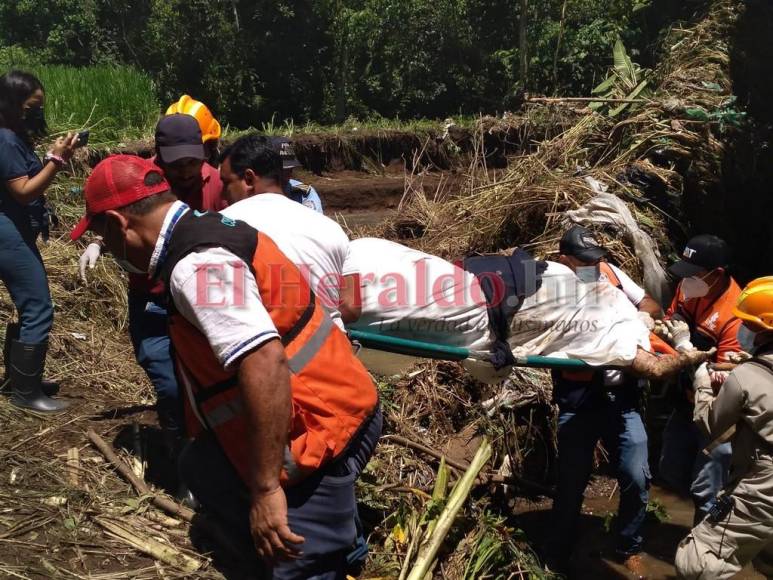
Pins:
x,y
24,179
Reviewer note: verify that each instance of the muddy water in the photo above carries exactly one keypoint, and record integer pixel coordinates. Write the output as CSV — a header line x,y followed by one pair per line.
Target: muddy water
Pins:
x,y
592,560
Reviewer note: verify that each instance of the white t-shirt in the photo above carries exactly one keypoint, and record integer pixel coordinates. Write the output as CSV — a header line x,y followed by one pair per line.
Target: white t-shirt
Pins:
x,y
631,289
409,294
315,243
216,292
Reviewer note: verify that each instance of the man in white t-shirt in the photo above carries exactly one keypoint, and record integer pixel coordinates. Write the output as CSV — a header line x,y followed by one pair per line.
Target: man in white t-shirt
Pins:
x,y
600,405
251,171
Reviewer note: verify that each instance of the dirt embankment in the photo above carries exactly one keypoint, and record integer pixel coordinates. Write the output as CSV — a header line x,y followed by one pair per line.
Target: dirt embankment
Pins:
x,y
365,170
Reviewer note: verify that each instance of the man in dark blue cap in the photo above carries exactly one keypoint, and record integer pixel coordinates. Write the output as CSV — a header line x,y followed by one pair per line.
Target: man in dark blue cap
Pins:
x,y
294,189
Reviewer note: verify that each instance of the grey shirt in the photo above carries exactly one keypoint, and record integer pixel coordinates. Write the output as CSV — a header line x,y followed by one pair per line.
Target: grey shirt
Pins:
x,y
745,401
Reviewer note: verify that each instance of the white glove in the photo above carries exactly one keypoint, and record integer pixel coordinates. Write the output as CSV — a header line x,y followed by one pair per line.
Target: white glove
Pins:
x,y
679,332
89,258
648,321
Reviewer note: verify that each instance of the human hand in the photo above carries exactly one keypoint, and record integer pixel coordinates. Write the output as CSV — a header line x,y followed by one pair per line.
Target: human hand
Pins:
x,y
679,331
64,147
89,258
738,357
270,532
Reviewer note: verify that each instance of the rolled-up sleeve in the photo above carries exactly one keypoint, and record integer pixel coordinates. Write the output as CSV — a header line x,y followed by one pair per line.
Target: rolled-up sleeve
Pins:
x,y
216,292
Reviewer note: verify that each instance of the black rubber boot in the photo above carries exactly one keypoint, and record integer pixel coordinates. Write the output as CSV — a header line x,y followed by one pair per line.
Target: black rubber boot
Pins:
x,y
25,371
174,440
50,388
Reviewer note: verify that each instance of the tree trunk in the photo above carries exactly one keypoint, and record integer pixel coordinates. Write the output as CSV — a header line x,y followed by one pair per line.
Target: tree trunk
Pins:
x,y
558,46
523,43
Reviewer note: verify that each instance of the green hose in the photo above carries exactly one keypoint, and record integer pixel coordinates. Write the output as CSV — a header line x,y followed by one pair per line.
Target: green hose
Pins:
x,y
421,349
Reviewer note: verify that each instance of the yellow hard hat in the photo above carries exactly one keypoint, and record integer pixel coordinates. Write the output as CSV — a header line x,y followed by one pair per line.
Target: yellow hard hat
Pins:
x,y
755,304
210,128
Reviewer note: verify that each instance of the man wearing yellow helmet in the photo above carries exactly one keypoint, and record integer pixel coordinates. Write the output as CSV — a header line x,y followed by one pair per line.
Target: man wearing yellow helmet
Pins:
x,y
739,529
210,128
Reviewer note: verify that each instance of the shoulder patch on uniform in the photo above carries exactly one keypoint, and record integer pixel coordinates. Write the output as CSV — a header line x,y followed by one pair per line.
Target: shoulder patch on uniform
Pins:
x,y
302,187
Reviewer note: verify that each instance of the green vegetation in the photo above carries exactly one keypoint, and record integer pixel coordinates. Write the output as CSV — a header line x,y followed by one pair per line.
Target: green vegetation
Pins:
x,y
326,61
114,102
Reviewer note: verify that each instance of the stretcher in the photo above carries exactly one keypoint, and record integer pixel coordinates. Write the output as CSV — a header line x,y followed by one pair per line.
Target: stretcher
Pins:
x,y
415,348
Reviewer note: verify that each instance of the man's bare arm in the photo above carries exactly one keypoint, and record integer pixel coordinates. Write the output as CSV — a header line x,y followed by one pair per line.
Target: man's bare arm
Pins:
x,y
351,299
657,368
649,305
264,383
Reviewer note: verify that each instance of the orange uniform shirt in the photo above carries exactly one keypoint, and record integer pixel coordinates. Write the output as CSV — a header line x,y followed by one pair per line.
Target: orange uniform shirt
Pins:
x,y
712,323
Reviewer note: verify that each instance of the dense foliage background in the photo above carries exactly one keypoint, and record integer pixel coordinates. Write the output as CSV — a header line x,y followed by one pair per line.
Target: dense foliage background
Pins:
x,y
326,60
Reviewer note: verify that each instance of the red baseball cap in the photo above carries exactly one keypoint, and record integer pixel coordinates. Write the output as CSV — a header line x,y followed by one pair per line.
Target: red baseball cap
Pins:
x,y
116,182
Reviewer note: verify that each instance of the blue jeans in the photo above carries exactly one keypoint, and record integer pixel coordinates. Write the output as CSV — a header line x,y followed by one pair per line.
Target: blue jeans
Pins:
x,y
150,339
23,273
322,508
624,436
686,469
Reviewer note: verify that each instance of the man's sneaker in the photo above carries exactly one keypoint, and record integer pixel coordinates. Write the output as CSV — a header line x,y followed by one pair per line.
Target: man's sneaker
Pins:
x,y
636,566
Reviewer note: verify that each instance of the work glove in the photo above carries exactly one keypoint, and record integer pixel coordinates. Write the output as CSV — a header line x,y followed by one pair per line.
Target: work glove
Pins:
x,y
648,321
679,332
89,258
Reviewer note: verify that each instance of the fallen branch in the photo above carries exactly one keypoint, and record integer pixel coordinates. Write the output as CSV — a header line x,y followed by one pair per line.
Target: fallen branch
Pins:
x,y
147,545
485,479
208,526
582,100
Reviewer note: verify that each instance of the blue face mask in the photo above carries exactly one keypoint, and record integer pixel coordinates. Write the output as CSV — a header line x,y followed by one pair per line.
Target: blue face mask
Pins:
x,y
746,338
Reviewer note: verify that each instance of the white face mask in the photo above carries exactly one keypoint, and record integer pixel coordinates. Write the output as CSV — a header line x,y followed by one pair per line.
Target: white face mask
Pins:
x,y
694,287
587,274
746,339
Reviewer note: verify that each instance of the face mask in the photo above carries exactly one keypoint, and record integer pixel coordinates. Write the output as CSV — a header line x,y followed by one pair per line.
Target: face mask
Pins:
x,y
587,274
746,338
694,287
35,120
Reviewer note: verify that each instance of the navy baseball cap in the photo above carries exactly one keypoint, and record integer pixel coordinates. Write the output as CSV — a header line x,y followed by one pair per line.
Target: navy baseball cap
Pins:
x,y
179,137
284,147
580,243
701,254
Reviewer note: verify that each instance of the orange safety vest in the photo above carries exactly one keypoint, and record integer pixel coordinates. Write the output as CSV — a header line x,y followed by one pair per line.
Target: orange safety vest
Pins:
x,y
332,393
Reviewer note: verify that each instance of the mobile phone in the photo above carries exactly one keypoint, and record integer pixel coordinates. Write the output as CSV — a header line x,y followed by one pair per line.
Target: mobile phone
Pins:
x,y
83,138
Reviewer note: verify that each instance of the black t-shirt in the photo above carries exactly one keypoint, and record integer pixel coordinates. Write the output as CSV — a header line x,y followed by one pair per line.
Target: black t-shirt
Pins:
x,y
18,159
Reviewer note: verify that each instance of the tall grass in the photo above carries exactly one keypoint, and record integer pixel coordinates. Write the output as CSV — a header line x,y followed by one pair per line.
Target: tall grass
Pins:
x,y
115,102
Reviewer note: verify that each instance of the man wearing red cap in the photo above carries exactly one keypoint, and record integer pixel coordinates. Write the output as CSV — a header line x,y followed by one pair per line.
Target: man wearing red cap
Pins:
x,y
181,156
284,415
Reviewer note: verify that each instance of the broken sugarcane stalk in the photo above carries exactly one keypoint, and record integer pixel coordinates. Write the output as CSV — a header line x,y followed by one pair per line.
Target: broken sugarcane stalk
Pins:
x,y
150,546
429,550
439,493
171,507
526,484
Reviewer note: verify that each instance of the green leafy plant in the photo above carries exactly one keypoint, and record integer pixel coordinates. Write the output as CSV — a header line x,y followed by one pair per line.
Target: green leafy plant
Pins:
x,y
627,81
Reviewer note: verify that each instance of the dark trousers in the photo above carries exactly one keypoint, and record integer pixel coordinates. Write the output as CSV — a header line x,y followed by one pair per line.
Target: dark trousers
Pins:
x,y
152,349
22,272
622,431
322,508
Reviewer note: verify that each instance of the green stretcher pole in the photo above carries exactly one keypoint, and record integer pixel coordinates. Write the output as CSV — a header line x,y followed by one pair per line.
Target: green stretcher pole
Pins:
x,y
421,349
